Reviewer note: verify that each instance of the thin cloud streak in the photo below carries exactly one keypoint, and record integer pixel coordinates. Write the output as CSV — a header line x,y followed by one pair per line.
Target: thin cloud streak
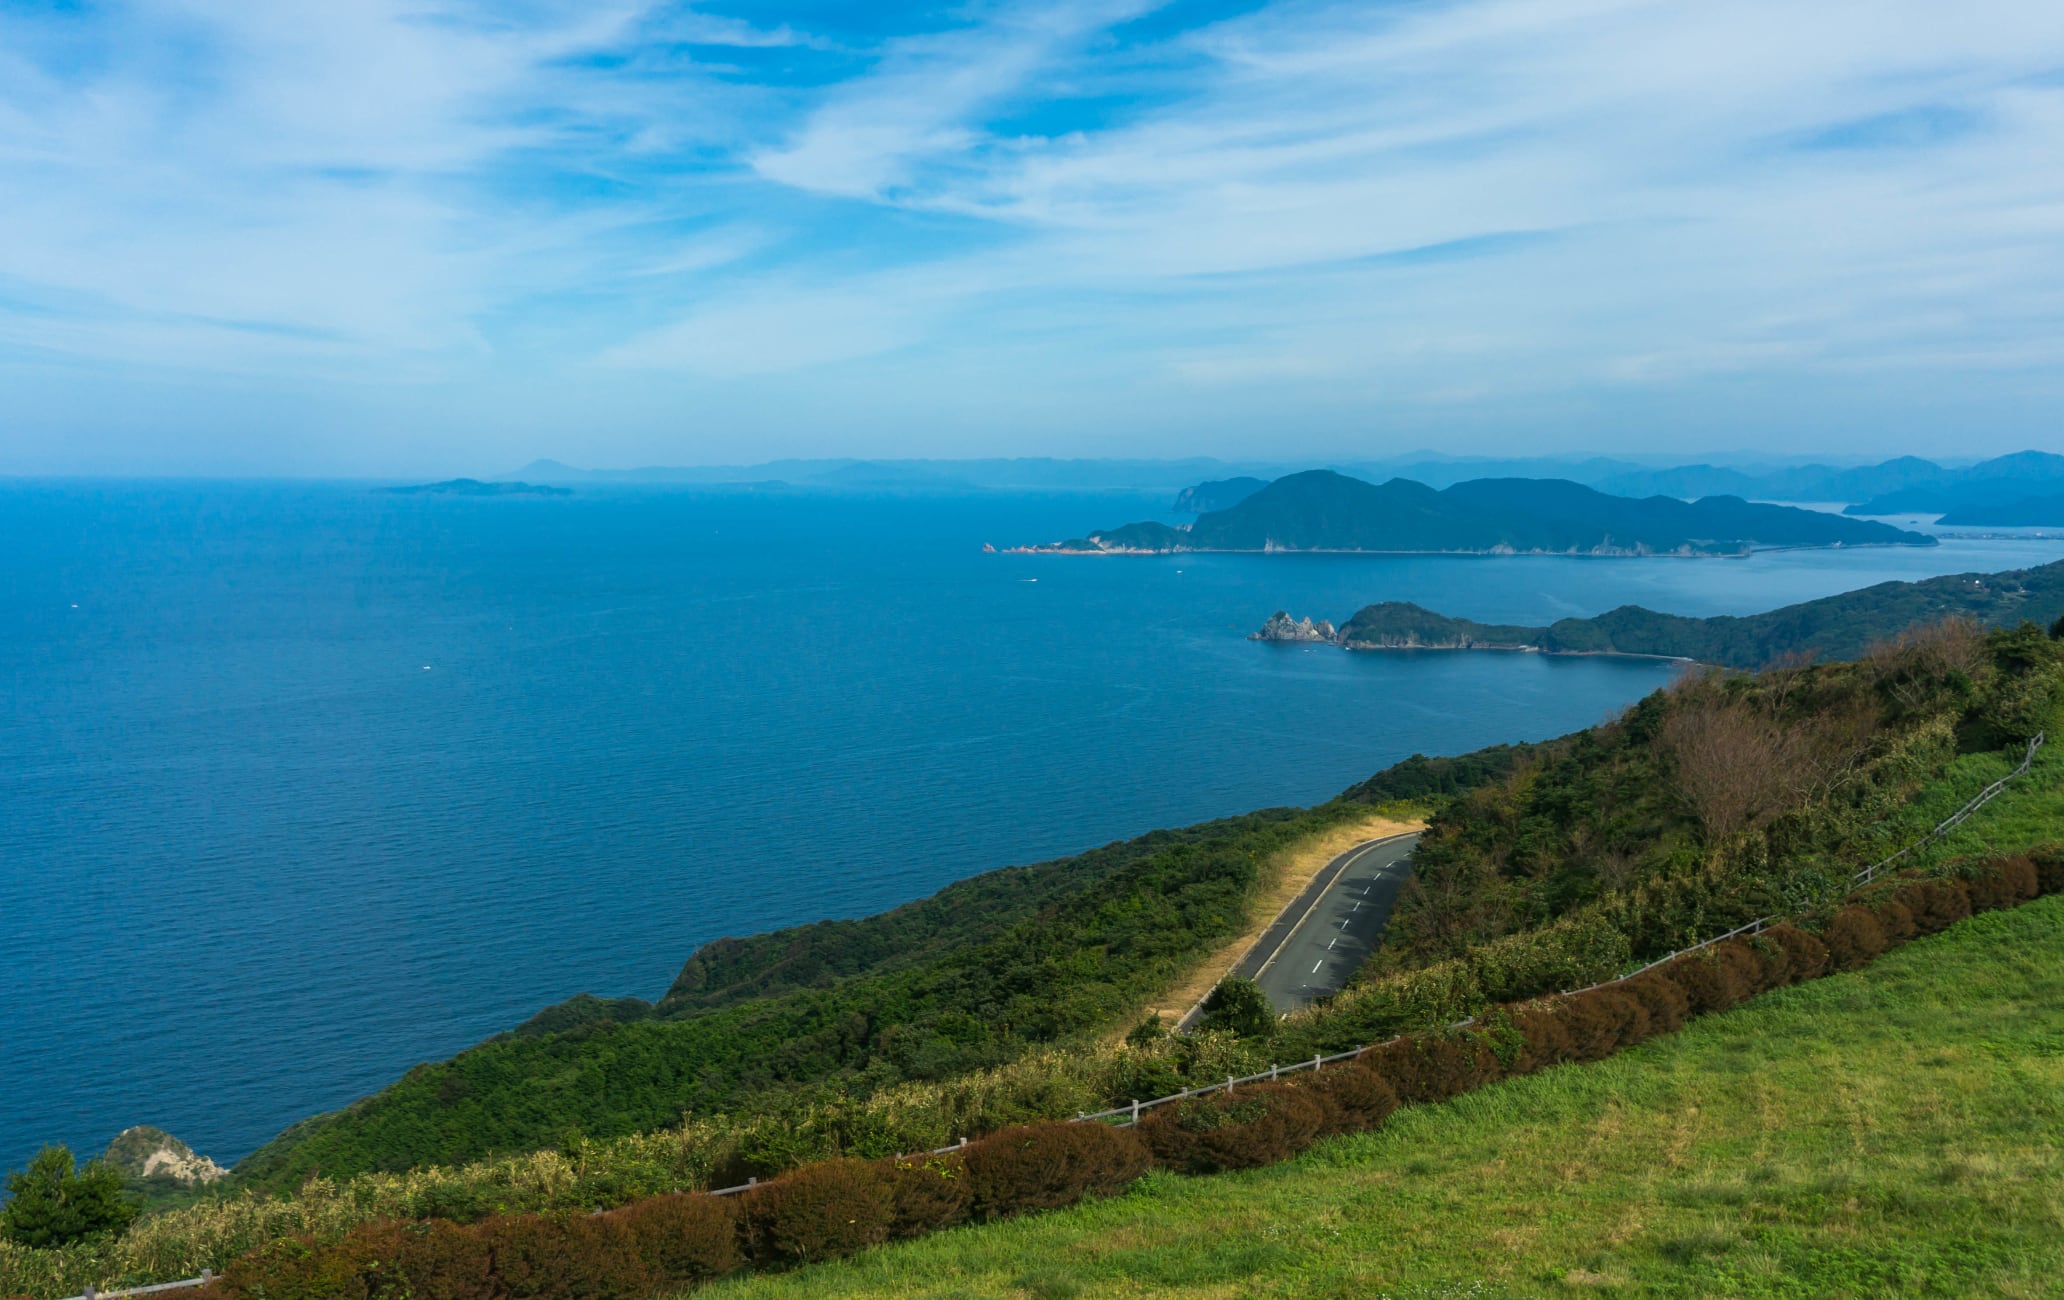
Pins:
x,y
1349,215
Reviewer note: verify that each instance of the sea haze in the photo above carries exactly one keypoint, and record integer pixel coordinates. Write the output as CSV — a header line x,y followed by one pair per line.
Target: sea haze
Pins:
x,y
302,784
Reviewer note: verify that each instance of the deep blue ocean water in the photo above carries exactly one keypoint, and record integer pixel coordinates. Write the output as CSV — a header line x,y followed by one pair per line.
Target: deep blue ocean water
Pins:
x,y
301,784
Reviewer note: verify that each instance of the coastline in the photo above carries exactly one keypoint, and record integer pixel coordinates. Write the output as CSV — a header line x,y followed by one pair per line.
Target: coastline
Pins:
x,y
1612,553
1494,647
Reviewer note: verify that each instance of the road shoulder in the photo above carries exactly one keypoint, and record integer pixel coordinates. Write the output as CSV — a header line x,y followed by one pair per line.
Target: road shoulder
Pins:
x,y
1290,877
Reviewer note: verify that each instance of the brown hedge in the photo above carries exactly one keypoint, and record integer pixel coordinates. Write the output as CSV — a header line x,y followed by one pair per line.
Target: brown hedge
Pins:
x,y
1601,1022
1936,904
1352,1098
1434,1067
685,1237
626,1254
1896,919
821,1210
2023,881
1806,956
2001,882
1665,1001
1854,938
1043,1166
1717,979
1544,1036
927,1192
1243,1128
2048,861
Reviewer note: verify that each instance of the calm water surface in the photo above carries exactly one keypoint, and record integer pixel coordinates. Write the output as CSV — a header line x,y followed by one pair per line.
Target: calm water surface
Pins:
x,y
300,785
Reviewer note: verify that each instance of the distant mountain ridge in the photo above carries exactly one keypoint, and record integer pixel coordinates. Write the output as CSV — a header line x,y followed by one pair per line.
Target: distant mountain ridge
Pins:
x,y
1835,627
1985,488
1755,481
1319,510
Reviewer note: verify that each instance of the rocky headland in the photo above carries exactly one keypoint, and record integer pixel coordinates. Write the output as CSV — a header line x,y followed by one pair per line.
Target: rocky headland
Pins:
x,y
1282,627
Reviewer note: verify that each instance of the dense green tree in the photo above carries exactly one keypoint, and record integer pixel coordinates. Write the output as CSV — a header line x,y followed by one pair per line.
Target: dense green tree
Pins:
x,y
53,1202
1238,1005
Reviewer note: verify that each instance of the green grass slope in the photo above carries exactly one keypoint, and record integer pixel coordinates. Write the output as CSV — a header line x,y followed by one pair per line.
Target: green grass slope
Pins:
x,y
1899,1130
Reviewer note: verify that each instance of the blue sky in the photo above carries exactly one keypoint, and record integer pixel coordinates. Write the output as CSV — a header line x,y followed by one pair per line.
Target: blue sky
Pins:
x,y
374,237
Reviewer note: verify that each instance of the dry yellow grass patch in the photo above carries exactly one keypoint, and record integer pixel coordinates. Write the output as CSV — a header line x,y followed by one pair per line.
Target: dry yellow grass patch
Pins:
x,y
1284,877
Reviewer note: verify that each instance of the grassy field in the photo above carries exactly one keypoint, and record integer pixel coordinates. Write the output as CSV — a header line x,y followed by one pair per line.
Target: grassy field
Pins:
x,y
1896,1131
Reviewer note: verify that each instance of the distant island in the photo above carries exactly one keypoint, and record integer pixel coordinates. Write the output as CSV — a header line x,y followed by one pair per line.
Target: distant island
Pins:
x,y
473,487
1320,510
1835,627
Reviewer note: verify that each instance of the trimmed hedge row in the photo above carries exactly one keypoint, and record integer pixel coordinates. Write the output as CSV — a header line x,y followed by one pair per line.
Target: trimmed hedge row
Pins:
x,y
836,1207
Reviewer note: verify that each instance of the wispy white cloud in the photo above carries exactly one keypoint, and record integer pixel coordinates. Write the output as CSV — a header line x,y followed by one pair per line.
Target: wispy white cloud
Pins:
x,y
1338,212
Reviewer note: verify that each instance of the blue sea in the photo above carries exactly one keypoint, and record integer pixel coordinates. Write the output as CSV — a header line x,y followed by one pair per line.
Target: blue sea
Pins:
x,y
301,784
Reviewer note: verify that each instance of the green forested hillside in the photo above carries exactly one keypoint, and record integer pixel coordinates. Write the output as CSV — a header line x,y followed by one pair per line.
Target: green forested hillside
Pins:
x,y
967,979
1835,627
1724,798
1319,510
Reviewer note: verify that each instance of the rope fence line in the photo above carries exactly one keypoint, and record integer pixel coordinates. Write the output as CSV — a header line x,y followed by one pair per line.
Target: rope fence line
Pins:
x,y
1128,1116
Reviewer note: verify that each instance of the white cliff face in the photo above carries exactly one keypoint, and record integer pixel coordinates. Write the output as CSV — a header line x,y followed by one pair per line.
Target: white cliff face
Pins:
x,y
146,1152
1282,627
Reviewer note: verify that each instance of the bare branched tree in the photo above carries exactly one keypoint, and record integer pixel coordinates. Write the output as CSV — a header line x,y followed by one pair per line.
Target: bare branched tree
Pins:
x,y
1731,762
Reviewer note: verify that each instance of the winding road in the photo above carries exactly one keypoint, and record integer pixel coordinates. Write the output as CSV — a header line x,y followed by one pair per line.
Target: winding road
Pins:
x,y
1322,937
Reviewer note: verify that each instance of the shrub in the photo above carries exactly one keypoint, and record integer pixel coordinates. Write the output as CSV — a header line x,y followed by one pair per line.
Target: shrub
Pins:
x,y
435,1258
1240,1006
1352,1098
2022,880
1243,1128
54,1203
684,1237
1433,1067
2048,860
1667,1006
2002,882
564,1257
820,1211
1770,964
1936,904
1544,1037
1042,1166
927,1192
296,1268
1805,956
1896,919
1601,1021
1716,979
1853,937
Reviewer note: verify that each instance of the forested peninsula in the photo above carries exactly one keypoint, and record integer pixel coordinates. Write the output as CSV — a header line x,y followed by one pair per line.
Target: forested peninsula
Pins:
x,y
1319,510
1835,627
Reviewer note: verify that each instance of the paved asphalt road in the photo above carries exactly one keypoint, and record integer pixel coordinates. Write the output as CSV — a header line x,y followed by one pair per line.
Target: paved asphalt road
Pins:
x,y
1334,924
